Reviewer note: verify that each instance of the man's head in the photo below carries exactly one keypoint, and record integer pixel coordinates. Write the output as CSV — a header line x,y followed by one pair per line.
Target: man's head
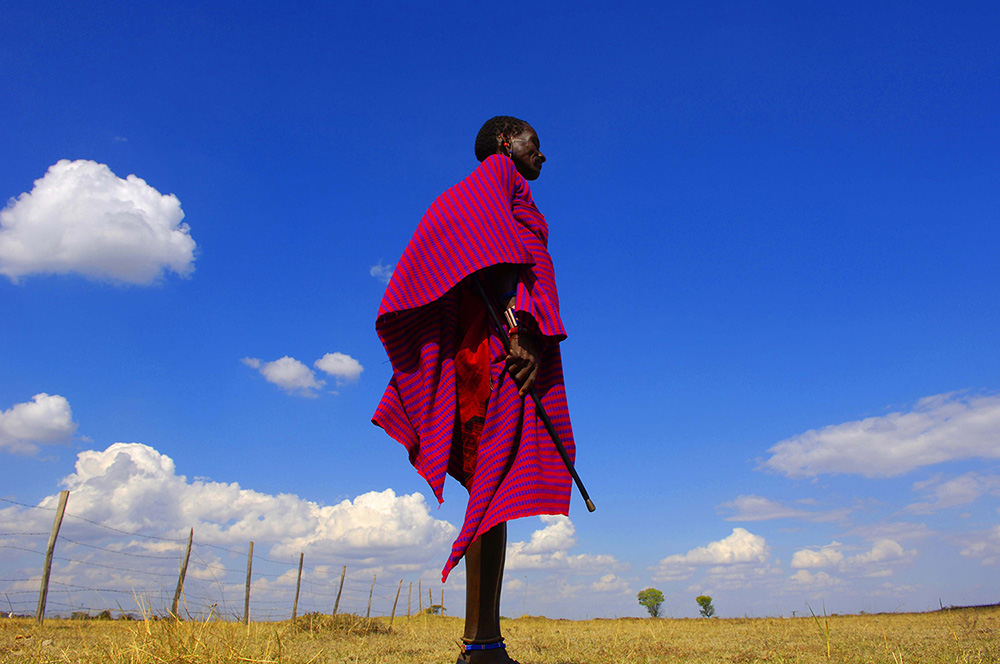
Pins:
x,y
514,138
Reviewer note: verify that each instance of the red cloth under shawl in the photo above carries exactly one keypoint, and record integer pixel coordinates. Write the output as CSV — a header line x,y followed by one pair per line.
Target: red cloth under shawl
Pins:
x,y
487,219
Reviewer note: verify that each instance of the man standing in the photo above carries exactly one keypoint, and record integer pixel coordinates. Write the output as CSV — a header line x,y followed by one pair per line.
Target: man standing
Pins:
x,y
456,398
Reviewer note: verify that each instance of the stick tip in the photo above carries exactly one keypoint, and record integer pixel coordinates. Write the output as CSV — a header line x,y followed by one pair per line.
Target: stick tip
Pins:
x,y
590,505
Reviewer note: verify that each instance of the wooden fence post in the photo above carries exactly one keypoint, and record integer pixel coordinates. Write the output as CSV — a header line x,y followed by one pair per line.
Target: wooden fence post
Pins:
x,y
409,598
430,601
420,597
370,593
336,604
442,601
298,583
43,591
393,616
180,579
246,597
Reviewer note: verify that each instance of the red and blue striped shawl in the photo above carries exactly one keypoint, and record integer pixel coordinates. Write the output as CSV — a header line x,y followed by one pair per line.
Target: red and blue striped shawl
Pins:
x,y
486,219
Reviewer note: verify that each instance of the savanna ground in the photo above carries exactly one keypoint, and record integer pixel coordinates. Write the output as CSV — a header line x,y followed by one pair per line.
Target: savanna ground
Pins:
x,y
959,635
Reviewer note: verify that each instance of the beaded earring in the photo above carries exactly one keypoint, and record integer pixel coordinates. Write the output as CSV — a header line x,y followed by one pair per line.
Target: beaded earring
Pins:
x,y
506,145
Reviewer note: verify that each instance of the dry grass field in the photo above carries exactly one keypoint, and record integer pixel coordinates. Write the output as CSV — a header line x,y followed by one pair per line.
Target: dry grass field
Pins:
x,y
960,635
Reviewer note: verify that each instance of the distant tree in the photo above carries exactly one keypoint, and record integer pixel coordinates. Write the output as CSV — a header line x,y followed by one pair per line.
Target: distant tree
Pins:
x,y
652,599
705,602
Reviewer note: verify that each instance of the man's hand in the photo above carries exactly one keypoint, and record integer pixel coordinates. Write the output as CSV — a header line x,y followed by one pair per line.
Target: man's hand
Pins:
x,y
522,361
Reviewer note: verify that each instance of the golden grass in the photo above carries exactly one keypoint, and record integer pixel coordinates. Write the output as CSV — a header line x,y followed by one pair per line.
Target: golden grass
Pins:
x,y
960,636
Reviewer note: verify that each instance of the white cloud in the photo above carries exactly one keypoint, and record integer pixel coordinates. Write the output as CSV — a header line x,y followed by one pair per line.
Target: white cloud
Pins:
x,y
878,561
381,272
847,572
938,429
899,531
296,378
960,490
882,551
611,583
558,534
44,419
343,367
133,487
549,549
759,508
756,576
806,579
82,218
287,373
892,590
379,521
739,548
824,556
985,546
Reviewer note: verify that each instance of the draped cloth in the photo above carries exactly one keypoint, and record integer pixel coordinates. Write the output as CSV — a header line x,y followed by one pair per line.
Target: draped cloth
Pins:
x,y
487,219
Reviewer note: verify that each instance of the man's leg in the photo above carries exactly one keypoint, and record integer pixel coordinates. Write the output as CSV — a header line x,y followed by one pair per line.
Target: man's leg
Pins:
x,y
484,562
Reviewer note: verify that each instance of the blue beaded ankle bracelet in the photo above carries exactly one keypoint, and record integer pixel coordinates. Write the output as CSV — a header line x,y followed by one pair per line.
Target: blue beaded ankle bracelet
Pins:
x,y
484,646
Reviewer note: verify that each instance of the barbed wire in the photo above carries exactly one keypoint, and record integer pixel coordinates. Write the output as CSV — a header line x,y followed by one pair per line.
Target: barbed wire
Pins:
x,y
119,569
225,569
91,521
179,541
134,591
221,548
121,553
34,507
20,548
358,593
126,532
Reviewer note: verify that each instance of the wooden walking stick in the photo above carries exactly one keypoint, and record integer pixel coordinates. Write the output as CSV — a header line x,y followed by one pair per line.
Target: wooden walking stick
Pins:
x,y
538,402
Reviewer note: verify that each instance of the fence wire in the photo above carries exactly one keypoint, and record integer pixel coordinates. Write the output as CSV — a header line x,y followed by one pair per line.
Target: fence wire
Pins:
x,y
100,573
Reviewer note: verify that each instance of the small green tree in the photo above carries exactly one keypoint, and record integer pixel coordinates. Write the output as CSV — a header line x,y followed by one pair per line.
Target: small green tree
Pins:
x,y
652,599
705,602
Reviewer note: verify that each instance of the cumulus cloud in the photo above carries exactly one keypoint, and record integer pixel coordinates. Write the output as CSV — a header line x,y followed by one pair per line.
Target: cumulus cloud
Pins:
x,y
940,428
892,590
558,534
882,551
296,378
381,272
133,487
611,583
343,367
549,547
878,561
82,218
740,547
759,508
807,580
824,556
960,490
130,502
756,576
45,419
984,546
287,373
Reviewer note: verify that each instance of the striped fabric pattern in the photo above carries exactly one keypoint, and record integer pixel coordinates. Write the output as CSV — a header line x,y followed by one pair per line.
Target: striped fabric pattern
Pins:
x,y
487,219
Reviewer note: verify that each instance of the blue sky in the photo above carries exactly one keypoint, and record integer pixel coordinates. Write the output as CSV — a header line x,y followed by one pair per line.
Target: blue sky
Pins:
x,y
775,234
